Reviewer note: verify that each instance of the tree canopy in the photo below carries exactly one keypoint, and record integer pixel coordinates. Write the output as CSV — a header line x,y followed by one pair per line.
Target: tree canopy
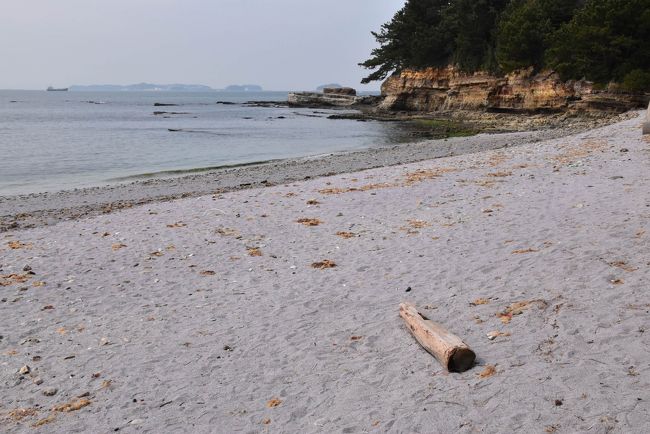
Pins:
x,y
600,40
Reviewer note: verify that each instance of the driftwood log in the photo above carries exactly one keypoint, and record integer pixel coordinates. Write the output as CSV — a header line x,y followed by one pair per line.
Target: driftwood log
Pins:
x,y
449,349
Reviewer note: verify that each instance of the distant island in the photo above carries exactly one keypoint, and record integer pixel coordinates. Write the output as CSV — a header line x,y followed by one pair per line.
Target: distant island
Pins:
x,y
142,87
150,87
244,88
330,86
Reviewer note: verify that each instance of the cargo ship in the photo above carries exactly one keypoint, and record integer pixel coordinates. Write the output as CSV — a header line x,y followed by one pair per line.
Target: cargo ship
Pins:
x,y
52,89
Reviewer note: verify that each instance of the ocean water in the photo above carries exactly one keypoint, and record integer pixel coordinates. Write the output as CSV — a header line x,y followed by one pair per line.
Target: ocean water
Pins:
x,y
51,141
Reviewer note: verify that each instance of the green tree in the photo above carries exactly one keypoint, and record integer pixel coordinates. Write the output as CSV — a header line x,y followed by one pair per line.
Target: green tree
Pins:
x,y
524,30
473,26
607,40
412,39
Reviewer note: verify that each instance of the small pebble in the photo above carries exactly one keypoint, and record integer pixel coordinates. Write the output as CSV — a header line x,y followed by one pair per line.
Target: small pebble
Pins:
x,y
27,268
24,370
38,381
50,391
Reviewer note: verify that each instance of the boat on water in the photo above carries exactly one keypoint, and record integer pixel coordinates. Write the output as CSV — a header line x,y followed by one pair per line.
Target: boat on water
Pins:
x,y
52,89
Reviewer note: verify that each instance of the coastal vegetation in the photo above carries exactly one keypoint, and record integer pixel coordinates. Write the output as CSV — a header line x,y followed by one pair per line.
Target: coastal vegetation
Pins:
x,y
600,40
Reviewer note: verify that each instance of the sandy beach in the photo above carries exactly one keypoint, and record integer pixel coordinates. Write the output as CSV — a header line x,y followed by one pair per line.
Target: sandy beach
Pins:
x,y
275,309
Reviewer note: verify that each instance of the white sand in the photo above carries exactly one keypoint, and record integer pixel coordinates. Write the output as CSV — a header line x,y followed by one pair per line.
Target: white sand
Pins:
x,y
200,337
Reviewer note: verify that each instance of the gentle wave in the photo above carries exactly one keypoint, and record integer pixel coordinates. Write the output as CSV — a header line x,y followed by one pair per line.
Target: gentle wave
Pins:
x,y
177,172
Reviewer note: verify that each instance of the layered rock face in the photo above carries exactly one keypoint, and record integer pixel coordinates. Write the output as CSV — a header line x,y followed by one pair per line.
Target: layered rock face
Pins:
x,y
331,96
443,89
340,91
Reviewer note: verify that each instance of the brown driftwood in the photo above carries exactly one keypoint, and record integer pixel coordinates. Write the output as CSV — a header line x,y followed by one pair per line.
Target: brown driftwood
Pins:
x,y
449,349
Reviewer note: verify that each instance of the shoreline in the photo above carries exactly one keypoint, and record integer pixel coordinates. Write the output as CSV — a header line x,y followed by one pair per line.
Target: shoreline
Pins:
x,y
47,208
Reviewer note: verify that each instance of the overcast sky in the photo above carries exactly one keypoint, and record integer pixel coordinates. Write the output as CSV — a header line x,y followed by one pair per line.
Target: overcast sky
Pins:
x,y
278,44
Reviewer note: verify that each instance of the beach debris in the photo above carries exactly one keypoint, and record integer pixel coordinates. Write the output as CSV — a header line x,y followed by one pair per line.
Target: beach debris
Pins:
x,y
524,251
106,384
38,284
309,221
325,263
38,381
156,254
346,235
418,224
617,281
356,338
74,405
313,202
367,187
25,370
207,273
11,279
177,225
558,402
50,391
21,413
518,308
499,174
254,251
448,349
409,289
266,421
16,245
488,372
495,334
49,419
479,301
274,402
227,232
118,246
623,266
425,174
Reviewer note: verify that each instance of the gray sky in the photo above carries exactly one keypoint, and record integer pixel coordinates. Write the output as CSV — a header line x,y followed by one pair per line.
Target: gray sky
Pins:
x,y
278,44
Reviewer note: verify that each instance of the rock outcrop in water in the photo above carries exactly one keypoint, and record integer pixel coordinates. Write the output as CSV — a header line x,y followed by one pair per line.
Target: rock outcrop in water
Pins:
x,y
331,97
444,89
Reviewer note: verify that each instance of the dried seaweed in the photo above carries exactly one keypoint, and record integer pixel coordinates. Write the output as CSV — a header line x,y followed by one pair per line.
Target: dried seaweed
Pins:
x,y
326,263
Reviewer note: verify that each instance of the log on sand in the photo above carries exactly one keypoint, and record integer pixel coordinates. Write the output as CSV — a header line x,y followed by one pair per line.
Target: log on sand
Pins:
x,y
449,349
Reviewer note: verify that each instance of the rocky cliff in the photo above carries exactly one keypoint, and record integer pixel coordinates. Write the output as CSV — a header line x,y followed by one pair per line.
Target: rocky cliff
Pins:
x,y
444,89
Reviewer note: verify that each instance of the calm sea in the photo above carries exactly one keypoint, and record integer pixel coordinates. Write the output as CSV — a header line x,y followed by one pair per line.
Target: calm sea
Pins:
x,y
61,140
